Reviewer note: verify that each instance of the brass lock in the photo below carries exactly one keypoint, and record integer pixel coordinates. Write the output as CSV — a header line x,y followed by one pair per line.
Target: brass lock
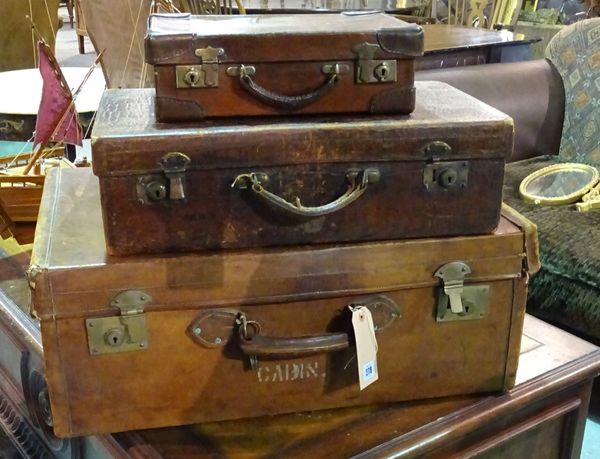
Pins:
x,y
371,69
192,77
448,177
114,337
127,330
156,190
382,71
440,174
170,185
456,301
204,75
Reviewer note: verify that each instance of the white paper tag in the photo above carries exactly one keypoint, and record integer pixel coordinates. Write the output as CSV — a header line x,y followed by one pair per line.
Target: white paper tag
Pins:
x,y
366,345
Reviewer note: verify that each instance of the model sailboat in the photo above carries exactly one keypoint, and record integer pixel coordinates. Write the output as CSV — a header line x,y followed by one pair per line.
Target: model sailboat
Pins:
x,y
22,176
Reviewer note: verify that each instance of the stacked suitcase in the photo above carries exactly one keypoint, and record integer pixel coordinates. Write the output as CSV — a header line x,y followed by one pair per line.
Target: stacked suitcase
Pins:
x,y
234,248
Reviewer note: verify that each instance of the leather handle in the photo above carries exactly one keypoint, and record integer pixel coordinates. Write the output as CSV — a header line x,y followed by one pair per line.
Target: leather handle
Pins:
x,y
276,347
358,182
281,100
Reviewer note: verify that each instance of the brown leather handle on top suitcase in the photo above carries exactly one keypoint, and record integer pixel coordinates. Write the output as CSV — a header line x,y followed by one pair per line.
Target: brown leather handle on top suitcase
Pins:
x,y
282,100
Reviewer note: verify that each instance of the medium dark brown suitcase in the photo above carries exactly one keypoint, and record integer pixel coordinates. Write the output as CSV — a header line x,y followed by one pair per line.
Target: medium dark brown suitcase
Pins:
x,y
215,66
281,182
139,342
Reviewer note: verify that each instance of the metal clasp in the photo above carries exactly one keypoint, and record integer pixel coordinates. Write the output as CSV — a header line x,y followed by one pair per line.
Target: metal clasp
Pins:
x,y
205,75
439,174
372,70
453,275
126,331
457,301
170,185
247,329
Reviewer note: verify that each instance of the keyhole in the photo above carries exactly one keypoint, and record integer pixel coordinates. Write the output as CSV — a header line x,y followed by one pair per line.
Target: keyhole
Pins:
x,y
382,72
448,178
156,190
114,337
192,77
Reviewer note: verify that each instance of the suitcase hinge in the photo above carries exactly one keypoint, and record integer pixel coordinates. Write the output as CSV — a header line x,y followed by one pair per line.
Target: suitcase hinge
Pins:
x,y
457,301
127,331
205,75
372,70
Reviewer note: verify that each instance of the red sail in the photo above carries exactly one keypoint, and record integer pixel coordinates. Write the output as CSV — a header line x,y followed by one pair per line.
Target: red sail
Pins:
x,y
57,118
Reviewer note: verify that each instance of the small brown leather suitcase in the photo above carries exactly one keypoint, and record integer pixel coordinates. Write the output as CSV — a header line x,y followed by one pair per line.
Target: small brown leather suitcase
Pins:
x,y
282,182
215,66
139,342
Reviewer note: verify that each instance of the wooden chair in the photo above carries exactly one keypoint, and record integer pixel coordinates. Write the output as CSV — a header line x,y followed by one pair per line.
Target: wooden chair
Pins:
x,y
212,6
483,13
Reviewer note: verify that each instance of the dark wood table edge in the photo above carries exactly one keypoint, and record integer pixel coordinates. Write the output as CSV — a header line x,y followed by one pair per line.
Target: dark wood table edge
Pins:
x,y
455,426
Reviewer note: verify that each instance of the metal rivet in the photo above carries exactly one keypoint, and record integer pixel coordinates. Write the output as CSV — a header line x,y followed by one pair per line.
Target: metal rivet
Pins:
x,y
197,331
142,344
217,340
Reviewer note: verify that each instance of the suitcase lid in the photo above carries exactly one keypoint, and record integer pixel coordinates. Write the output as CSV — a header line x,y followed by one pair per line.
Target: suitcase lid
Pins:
x,y
126,139
175,38
72,276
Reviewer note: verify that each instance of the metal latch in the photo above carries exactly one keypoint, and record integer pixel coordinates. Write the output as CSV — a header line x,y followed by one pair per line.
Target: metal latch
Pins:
x,y
170,185
127,331
205,75
372,70
441,174
457,301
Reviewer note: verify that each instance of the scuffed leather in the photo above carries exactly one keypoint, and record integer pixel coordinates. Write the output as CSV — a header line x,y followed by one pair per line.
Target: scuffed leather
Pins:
x,y
531,92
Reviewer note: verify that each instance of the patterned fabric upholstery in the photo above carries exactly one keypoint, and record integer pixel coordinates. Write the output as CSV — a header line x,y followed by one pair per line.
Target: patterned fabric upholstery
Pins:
x,y
575,52
566,290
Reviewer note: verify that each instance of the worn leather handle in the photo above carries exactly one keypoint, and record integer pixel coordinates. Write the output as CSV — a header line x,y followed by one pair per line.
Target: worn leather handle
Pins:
x,y
358,182
276,347
281,100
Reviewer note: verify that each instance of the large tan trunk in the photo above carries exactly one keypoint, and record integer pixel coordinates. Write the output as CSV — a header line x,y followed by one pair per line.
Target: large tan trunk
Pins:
x,y
222,66
182,361
297,181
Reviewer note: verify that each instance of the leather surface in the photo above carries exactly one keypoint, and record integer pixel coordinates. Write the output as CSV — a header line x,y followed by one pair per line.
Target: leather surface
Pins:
x,y
306,158
291,293
531,92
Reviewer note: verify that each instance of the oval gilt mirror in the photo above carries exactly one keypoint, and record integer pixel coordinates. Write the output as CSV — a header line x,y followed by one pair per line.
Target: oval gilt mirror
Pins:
x,y
558,184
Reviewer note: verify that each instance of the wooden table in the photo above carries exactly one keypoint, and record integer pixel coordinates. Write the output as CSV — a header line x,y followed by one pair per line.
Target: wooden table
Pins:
x,y
445,45
542,417
455,46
